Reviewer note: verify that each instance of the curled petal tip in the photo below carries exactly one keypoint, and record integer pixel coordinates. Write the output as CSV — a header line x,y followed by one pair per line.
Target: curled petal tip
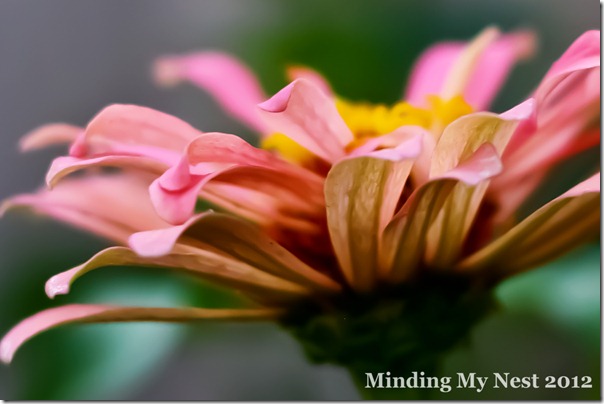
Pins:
x,y
522,111
278,102
56,286
6,351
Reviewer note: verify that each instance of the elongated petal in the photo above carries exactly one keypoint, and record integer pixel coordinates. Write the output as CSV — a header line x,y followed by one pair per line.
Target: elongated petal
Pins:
x,y
112,206
361,194
63,166
224,77
475,70
202,263
551,231
405,236
236,238
48,135
133,125
102,313
309,117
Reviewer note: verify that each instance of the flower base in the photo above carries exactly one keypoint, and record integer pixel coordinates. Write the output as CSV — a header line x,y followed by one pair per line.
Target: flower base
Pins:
x,y
399,330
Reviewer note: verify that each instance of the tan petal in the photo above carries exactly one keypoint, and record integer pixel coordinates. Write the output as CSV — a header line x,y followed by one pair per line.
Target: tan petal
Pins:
x,y
205,264
459,141
549,232
404,240
234,238
361,194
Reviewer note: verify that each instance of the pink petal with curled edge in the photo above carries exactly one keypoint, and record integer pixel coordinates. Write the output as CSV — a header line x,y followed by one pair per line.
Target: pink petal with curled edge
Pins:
x,y
434,65
49,318
303,72
113,206
305,114
63,166
48,135
175,207
231,149
135,125
230,82
584,53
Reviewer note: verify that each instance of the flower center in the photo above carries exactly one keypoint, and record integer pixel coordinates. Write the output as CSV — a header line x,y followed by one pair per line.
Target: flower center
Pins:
x,y
367,120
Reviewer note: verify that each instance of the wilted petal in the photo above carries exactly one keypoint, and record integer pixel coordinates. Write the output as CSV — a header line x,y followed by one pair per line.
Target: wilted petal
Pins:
x,y
361,194
475,70
228,80
102,313
458,142
236,238
405,236
309,117
202,263
549,232
49,134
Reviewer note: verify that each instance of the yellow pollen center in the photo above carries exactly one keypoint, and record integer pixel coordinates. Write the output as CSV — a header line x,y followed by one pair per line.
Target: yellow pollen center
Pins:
x,y
369,120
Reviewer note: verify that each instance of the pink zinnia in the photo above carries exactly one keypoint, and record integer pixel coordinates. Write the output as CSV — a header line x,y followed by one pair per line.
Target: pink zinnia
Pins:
x,y
348,207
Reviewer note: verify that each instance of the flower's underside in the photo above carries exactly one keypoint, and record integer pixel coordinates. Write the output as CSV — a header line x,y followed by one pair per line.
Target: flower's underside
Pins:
x,y
343,198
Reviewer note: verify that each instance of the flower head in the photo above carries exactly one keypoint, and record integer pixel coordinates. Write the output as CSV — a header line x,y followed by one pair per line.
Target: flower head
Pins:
x,y
346,205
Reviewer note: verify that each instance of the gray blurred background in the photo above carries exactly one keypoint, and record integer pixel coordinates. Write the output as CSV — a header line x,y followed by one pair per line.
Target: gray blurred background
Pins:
x,y
64,60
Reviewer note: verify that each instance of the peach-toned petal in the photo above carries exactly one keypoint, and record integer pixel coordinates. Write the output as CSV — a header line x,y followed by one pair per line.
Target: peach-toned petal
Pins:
x,y
549,232
465,135
361,194
85,313
404,239
202,263
230,82
475,70
236,238
309,117
112,206
48,135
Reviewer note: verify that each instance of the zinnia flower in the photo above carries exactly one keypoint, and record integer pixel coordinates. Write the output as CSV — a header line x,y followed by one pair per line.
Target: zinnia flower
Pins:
x,y
354,225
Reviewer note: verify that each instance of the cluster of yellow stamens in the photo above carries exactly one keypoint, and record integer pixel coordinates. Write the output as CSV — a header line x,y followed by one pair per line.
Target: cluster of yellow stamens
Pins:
x,y
370,120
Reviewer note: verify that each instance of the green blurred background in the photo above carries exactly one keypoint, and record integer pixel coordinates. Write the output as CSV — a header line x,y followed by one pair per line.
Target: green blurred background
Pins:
x,y
64,60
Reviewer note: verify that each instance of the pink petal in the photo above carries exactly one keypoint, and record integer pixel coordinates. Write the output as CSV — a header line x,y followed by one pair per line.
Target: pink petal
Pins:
x,y
49,318
112,206
137,126
305,114
488,74
49,134
63,166
303,72
232,84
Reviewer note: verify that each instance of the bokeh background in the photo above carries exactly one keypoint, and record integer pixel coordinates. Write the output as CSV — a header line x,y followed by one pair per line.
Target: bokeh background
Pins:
x,y
64,60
